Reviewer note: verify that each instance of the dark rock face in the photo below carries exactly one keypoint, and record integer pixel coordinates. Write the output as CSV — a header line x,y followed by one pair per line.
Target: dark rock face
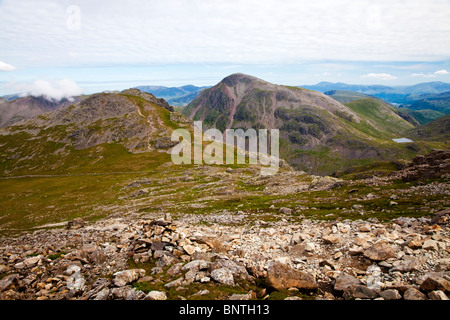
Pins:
x,y
433,165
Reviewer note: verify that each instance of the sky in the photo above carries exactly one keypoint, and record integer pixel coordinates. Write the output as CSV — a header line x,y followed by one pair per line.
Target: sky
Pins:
x,y
68,47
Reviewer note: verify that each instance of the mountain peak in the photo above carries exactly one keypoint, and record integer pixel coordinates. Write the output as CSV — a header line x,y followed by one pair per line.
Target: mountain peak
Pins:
x,y
234,78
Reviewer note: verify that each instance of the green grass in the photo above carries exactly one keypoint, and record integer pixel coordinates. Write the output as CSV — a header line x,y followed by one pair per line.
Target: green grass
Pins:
x,y
31,202
385,121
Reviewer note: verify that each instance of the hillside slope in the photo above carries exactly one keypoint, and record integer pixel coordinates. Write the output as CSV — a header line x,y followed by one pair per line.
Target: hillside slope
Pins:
x,y
346,96
13,111
437,130
104,132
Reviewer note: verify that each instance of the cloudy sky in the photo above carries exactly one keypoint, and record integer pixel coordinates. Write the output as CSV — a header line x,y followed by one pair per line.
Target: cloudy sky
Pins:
x,y
87,46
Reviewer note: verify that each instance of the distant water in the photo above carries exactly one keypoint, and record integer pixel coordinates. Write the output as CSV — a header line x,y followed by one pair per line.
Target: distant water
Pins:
x,y
402,140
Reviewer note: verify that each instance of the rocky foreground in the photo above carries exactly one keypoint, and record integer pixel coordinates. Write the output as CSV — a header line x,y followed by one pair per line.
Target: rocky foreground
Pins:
x,y
157,258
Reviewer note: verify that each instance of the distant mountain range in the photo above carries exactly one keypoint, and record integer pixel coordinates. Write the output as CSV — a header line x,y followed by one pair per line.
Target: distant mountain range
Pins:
x,y
417,89
318,133
175,96
404,95
426,108
424,101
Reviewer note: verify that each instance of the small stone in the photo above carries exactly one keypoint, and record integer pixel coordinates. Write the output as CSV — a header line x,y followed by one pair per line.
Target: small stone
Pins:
x,y
281,276
196,265
344,280
337,255
408,265
175,269
127,293
285,210
437,295
379,252
363,292
435,283
190,249
415,243
430,245
202,292
390,294
8,281
156,295
328,263
72,269
330,239
175,283
235,296
309,246
30,262
360,241
355,250
76,224
125,277
167,259
223,275
414,294
102,294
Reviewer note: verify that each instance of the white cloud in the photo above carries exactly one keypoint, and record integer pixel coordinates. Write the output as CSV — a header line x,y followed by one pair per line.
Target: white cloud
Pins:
x,y
441,72
223,31
431,75
50,89
379,76
423,75
6,67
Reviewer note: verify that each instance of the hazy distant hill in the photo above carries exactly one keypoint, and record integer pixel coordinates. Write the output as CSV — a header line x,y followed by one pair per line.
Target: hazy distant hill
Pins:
x,y
394,94
175,96
437,102
346,96
17,109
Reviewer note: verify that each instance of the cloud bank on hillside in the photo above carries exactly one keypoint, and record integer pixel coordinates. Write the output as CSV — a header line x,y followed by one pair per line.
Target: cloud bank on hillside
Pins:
x,y
50,89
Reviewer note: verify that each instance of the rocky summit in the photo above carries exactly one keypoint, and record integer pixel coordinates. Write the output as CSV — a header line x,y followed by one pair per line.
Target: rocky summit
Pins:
x,y
160,258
